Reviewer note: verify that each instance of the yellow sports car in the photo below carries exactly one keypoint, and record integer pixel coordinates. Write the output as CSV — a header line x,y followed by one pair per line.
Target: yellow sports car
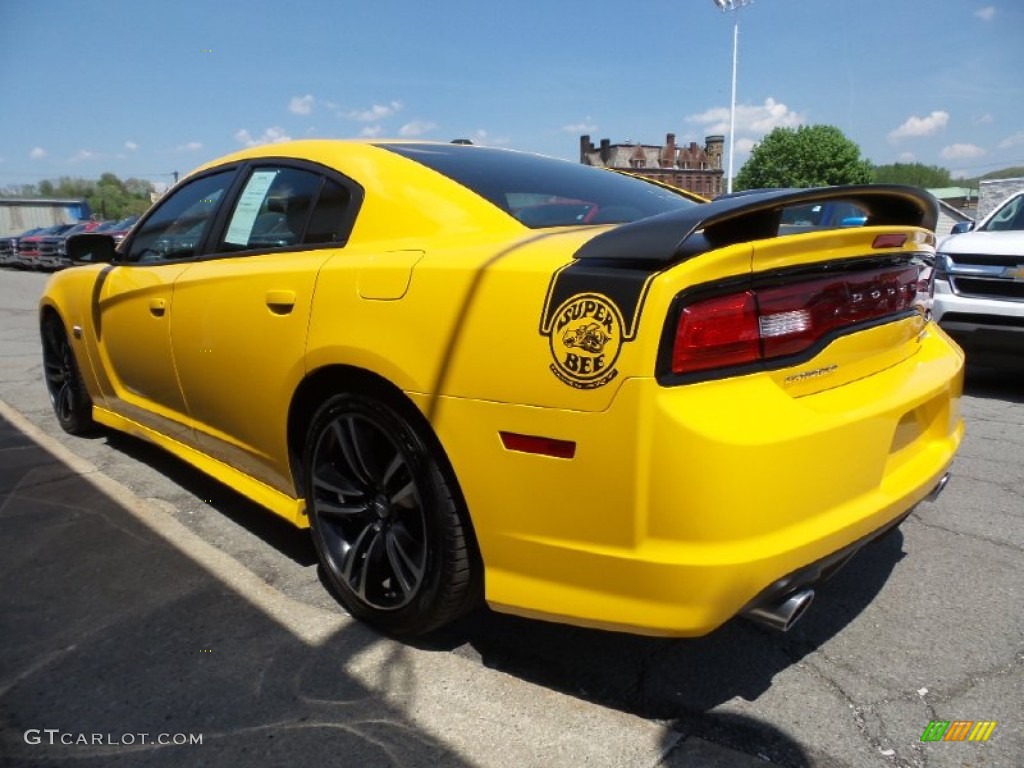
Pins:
x,y
478,374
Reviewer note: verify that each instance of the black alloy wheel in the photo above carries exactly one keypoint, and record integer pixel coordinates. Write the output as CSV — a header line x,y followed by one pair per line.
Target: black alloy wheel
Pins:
x,y
71,402
386,522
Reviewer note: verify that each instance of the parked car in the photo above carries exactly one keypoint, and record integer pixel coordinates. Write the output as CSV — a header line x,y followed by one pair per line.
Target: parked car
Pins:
x,y
50,248
9,246
30,246
643,421
978,286
117,229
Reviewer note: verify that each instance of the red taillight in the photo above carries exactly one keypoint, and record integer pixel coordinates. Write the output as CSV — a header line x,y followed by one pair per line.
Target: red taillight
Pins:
x,y
785,320
717,332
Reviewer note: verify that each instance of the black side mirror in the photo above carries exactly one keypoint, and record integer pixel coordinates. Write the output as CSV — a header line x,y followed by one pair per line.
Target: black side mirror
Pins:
x,y
962,226
91,248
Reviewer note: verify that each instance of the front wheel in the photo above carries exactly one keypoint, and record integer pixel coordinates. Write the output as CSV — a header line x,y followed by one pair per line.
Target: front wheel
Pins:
x,y
388,524
71,402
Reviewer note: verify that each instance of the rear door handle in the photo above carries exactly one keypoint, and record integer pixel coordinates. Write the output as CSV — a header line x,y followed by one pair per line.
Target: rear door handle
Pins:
x,y
280,302
157,307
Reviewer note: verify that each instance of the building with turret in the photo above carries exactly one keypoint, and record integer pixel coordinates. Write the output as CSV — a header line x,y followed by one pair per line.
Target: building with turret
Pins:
x,y
694,168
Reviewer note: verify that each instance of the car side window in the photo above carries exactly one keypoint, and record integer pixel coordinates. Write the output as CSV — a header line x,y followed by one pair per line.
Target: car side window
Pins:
x,y
329,222
272,210
175,230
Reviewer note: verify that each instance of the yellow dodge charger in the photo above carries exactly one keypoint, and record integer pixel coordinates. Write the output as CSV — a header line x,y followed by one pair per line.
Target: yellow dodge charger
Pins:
x,y
478,374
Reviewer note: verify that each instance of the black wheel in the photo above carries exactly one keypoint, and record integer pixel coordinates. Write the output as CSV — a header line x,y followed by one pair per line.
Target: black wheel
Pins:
x,y
71,401
387,523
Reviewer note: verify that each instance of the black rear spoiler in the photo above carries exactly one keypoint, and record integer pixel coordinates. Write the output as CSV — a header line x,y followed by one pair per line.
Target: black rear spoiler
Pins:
x,y
680,235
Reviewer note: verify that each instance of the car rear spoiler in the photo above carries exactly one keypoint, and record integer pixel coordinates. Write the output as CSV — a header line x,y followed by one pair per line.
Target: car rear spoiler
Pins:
x,y
669,238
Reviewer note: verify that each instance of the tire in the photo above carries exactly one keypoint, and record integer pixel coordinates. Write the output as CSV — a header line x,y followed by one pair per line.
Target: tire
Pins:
x,y
68,395
388,524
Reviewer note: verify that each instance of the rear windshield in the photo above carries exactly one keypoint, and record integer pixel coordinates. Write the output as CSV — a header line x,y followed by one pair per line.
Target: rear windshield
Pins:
x,y
542,191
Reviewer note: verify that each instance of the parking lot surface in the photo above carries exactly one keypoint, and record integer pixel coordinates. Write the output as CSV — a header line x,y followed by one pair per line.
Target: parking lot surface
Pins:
x,y
144,606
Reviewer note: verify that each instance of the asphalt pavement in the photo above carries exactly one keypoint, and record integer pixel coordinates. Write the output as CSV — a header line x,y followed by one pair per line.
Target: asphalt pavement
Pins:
x,y
149,616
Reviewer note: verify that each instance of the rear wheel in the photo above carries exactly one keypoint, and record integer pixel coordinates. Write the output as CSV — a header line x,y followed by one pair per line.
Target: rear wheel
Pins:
x,y
387,523
71,402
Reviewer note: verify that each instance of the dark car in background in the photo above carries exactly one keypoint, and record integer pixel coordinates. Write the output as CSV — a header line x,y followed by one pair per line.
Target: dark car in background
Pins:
x,y
9,245
117,229
50,252
27,253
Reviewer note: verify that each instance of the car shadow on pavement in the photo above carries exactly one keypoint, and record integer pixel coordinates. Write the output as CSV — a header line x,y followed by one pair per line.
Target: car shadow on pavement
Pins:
x,y
1005,384
114,640
680,681
280,534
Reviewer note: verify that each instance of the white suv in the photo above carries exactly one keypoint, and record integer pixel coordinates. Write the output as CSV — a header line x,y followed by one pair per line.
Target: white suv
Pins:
x,y
978,286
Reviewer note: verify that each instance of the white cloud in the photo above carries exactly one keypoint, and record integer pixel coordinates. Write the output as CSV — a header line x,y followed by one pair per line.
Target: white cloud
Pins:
x,y
921,126
131,146
986,119
961,152
370,132
191,146
480,136
301,105
907,157
744,146
987,13
272,135
586,126
83,154
1012,141
759,119
376,112
37,153
416,128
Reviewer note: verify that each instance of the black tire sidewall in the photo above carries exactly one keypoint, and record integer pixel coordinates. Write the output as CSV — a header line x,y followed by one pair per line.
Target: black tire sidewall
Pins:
x,y
419,614
79,421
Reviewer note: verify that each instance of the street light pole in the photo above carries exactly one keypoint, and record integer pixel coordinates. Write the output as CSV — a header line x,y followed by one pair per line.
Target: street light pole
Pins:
x,y
725,6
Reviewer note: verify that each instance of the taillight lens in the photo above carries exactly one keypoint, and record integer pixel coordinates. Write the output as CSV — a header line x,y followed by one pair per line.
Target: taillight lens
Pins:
x,y
717,332
779,321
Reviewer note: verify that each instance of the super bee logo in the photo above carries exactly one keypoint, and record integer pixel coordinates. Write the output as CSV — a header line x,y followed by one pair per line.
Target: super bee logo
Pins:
x,y
585,337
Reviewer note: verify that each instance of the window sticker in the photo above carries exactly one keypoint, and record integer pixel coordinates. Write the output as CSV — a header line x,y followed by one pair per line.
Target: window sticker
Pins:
x,y
249,204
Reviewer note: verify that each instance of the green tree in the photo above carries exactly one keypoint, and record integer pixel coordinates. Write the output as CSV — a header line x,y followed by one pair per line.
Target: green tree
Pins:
x,y
808,156
109,197
915,174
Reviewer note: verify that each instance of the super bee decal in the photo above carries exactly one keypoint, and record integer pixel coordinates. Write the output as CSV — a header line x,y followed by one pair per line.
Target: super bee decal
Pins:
x,y
585,340
589,313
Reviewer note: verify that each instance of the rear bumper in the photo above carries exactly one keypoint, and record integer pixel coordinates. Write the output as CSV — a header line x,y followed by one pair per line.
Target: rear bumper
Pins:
x,y
683,506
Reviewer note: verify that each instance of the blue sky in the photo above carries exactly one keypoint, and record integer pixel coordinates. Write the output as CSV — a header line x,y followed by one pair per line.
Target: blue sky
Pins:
x,y
148,88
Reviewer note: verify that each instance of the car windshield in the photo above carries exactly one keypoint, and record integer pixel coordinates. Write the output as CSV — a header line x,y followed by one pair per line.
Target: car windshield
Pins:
x,y
543,191
1009,217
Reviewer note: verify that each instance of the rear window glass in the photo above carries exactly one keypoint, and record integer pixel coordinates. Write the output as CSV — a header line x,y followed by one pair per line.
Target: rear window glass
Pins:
x,y
832,214
542,191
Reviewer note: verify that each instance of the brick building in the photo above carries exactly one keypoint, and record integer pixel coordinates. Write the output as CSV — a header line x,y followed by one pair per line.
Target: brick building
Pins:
x,y
696,168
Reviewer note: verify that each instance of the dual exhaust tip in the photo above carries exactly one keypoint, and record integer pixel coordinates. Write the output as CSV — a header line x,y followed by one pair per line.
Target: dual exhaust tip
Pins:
x,y
781,615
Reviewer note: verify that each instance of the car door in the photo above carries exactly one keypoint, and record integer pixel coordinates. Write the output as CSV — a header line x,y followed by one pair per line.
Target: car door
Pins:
x,y
239,328
134,305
